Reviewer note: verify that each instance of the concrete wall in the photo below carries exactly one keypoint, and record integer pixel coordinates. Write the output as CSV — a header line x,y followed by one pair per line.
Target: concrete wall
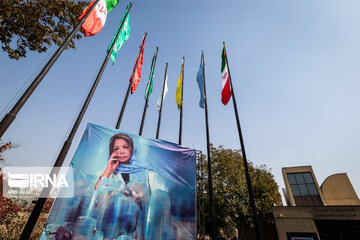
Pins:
x,y
302,219
338,190
293,219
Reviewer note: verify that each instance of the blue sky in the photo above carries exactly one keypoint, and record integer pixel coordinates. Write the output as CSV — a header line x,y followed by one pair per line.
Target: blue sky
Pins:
x,y
295,67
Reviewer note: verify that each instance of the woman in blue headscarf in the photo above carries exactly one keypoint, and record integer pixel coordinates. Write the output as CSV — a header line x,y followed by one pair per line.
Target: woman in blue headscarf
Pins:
x,y
122,166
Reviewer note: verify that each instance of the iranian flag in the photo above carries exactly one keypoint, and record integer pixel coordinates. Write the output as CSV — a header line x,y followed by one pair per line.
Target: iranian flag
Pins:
x,y
96,20
226,91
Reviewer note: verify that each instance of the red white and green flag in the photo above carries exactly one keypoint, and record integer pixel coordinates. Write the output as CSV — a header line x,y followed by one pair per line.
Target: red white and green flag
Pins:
x,y
96,20
226,90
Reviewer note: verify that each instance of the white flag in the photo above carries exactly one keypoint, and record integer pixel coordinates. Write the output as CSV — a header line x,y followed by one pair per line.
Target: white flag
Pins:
x,y
158,102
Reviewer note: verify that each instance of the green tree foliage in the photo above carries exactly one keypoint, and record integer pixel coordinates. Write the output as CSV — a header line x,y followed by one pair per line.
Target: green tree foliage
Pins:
x,y
37,24
231,199
14,213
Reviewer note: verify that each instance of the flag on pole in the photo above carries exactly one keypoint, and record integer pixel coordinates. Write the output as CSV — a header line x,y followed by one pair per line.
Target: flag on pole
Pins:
x,y
123,36
200,81
149,85
179,87
96,20
158,102
137,74
226,91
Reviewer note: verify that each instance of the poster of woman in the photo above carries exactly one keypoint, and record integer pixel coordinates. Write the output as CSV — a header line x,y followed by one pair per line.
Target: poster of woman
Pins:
x,y
127,187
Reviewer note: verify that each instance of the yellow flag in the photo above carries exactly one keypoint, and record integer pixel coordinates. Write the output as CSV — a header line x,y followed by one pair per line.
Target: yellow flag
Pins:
x,y
179,87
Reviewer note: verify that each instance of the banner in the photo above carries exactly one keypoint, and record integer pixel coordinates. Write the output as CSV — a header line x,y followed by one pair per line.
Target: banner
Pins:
x,y
127,187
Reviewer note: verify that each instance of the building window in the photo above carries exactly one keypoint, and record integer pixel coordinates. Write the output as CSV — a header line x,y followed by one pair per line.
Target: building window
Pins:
x,y
301,236
302,184
303,189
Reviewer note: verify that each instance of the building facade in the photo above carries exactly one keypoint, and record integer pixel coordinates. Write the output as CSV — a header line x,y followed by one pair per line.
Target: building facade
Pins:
x,y
330,211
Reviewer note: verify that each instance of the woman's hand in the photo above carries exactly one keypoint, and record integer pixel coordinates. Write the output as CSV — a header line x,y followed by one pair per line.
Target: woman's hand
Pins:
x,y
112,164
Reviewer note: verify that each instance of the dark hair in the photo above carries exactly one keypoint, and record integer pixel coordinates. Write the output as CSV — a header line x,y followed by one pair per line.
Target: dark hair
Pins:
x,y
120,136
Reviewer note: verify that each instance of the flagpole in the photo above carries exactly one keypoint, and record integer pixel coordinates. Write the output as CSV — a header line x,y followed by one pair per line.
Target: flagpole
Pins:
x,y
148,94
211,197
247,175
65,148
10,116
131,81
181,107
162,97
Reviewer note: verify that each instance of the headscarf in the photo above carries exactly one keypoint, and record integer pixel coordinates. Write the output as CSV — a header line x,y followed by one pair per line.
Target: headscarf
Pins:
x,y
132,167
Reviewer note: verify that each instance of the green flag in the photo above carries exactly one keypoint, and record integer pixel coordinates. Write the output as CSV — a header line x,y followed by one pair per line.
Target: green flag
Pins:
x,y
149,86
123,36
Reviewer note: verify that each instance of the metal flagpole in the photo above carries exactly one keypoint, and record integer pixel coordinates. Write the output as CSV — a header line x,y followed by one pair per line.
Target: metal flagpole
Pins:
x,y
148,94
181,107
131,81
211,197
162,98
65,148
10,116
247,175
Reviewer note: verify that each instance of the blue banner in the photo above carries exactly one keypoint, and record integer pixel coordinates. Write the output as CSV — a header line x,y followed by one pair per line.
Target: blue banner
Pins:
x,y
127,187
